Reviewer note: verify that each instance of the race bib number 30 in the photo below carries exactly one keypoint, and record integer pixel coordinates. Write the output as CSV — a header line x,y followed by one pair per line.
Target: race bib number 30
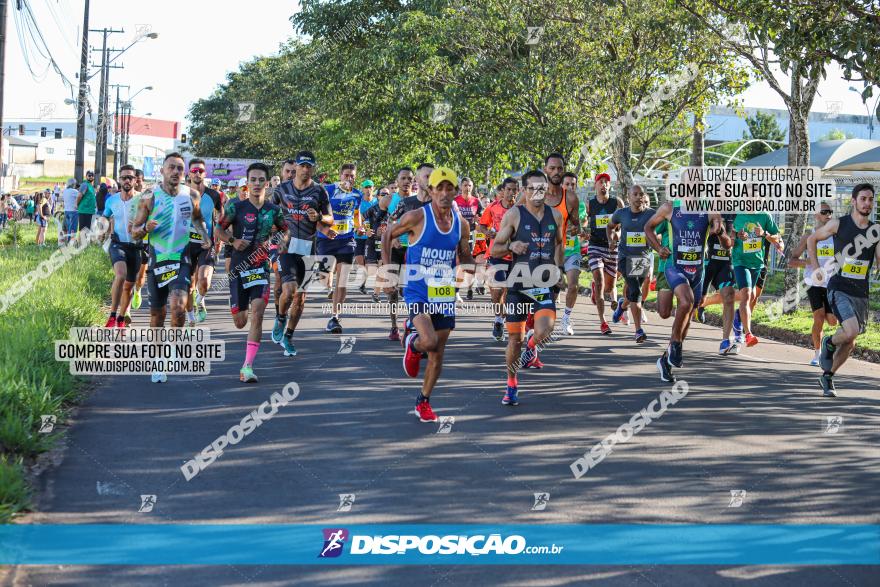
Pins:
x,y
855,269
752,245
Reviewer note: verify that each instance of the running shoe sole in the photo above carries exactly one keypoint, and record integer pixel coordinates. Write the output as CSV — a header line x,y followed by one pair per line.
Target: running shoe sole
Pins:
x,y
507,402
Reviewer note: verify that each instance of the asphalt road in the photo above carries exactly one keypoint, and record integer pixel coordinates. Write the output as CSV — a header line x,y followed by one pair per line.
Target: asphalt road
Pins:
x,y
756,422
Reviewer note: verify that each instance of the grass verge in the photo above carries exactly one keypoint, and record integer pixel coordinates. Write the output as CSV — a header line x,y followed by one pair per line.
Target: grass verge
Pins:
x,y
799,322
32,383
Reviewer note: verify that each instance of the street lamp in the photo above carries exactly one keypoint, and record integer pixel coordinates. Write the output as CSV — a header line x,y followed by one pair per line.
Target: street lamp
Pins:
x,y
871,113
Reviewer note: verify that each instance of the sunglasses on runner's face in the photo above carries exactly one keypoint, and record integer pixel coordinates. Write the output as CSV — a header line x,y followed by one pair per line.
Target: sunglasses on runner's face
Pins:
x,y
196,170
825,212
127,177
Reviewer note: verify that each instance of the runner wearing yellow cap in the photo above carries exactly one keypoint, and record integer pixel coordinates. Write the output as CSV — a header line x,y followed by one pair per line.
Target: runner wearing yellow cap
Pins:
x,y
438,238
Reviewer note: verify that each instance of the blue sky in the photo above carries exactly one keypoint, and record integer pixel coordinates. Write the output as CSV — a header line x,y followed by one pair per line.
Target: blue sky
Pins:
x,y
200,41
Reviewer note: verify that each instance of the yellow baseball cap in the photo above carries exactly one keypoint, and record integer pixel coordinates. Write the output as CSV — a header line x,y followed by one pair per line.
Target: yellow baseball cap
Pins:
x,y
442,174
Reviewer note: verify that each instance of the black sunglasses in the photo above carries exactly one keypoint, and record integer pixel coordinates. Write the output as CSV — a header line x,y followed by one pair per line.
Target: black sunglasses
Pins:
x,y
826,212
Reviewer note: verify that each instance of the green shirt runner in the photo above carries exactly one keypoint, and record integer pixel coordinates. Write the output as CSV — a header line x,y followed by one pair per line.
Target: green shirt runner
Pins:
x,y
750,252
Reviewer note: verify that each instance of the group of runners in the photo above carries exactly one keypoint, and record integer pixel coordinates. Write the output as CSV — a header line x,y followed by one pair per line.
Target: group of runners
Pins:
x,y
427,237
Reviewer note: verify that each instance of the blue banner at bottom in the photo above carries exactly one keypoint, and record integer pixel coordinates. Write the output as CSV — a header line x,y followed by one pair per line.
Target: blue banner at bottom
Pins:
x,y
282,544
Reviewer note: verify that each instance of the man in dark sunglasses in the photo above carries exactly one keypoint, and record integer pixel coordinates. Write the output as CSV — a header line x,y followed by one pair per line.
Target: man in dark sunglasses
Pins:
x,y
201,259
817,292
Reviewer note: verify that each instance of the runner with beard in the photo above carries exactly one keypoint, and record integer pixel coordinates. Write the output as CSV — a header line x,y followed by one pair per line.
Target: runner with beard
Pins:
x,y
532,233
202,259
855,250
247,226
306,206
602,258
125,252
166,216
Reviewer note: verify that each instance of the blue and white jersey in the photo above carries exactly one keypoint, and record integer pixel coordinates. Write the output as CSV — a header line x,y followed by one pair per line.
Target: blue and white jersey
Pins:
x,y
430,265
122,212
343,205
206,205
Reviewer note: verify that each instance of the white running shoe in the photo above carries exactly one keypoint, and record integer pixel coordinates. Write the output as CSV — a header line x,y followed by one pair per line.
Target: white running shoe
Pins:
x,y
815,361
158,377
566,325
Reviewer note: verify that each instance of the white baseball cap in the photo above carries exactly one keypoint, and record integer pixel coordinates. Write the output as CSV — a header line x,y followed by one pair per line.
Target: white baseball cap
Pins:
x,y
242,182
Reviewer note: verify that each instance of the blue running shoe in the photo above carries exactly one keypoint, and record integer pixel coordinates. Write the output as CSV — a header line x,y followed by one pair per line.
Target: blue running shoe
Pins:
x,y
278,329
510,398
615,317
641,336
725,347
737,326
674,358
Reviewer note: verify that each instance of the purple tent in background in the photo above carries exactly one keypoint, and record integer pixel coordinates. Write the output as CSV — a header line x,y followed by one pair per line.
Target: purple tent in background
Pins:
x,y
226,169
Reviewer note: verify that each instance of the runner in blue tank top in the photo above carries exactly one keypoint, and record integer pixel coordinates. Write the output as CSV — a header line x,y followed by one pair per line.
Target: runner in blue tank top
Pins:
x,y
684,270
437,235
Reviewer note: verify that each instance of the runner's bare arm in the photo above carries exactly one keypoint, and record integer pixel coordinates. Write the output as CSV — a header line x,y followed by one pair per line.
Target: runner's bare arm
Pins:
x,y
662,213
823,232
612,233
559,256
795,253
407,223
142,226
501,246
464,249
199,225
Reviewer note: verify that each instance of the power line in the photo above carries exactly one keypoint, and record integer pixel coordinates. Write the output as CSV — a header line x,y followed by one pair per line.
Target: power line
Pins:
x,y
61,28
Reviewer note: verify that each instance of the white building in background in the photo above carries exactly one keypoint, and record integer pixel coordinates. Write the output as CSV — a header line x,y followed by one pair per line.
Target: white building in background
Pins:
x,y
53,143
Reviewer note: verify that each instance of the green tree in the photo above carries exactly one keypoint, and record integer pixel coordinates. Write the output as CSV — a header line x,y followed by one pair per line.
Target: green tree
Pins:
x,y
762,125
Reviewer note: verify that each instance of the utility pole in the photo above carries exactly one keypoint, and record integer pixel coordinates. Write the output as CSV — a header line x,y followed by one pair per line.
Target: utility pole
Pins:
x,y
103,104
117,129
127,107
79,164
3,4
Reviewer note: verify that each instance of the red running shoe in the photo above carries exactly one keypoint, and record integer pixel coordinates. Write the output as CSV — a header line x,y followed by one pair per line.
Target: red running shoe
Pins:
x,y
411,357
395,334
605,328
121,323
751,339
111,322
425,413
535,363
